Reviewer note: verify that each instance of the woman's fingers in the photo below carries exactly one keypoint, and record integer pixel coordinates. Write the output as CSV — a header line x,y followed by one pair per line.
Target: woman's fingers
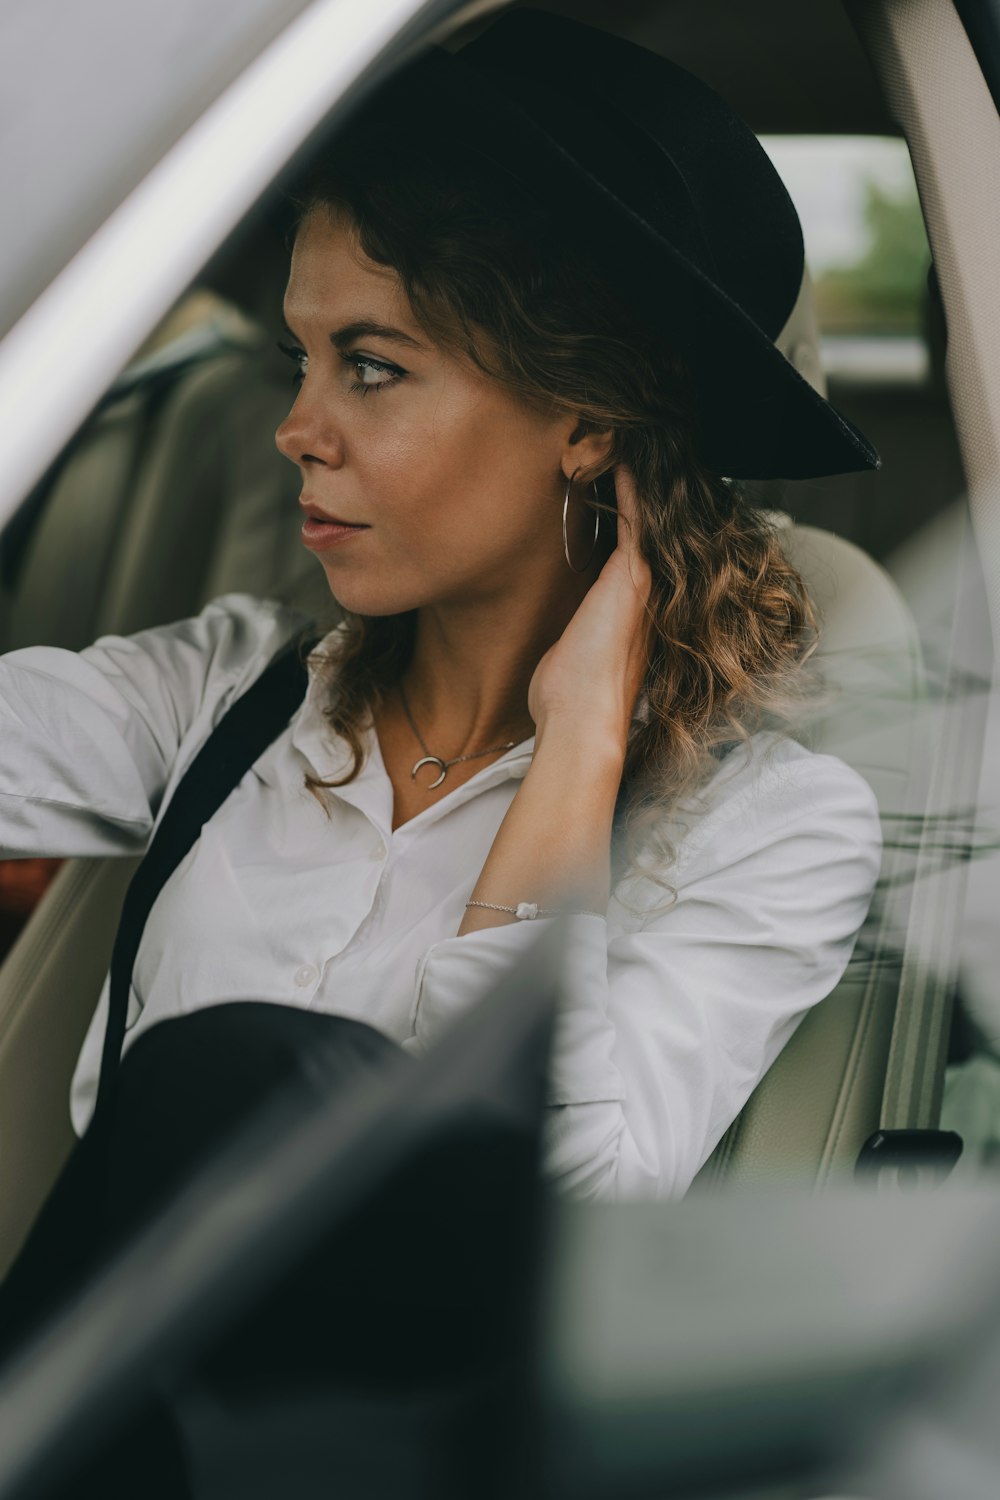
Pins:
x,y
628,527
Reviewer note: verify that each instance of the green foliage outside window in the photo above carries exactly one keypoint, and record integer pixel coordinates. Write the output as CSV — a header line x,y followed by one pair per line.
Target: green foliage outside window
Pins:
x,y
883,291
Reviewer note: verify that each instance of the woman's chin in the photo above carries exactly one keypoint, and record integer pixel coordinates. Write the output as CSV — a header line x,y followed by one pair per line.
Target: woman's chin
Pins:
x,y
353,596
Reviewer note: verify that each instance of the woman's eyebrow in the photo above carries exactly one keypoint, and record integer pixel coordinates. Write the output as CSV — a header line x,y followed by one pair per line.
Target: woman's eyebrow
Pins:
x,y
367,328
359,329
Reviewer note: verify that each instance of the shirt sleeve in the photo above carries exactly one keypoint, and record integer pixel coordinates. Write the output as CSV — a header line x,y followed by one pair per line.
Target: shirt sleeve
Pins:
x,y
667,1022
89,739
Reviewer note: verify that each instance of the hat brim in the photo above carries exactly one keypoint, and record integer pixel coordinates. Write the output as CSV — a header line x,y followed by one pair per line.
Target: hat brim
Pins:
x,y
758,417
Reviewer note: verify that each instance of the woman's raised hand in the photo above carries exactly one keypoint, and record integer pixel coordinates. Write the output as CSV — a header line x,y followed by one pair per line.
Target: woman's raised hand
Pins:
x,y
554,843
594,673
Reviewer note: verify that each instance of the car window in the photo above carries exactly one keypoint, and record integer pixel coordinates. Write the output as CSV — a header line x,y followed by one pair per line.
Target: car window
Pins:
x,y
866,248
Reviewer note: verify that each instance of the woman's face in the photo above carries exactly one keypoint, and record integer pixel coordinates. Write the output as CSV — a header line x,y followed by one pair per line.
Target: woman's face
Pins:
x,y
459,487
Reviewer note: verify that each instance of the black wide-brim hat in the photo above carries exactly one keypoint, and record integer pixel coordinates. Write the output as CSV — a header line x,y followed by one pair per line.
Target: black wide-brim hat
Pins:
x,y
679,208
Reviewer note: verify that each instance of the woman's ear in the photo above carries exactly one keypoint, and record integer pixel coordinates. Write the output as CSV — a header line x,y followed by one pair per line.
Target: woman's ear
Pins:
x,y
588,449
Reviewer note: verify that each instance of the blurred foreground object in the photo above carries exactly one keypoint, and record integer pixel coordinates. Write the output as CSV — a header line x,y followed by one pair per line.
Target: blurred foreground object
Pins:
x,y
307,1166
747,1344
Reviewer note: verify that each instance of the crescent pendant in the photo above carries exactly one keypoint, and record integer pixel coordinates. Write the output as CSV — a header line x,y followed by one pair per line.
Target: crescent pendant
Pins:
x,y
430,760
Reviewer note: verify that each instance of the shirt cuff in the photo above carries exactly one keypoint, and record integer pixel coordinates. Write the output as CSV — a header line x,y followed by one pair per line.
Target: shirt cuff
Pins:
x,y
456,972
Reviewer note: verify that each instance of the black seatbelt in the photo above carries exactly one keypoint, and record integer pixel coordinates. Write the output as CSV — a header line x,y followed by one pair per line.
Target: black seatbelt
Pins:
x,y
251,724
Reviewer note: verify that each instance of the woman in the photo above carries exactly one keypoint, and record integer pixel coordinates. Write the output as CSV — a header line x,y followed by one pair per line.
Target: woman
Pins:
x,y
531,310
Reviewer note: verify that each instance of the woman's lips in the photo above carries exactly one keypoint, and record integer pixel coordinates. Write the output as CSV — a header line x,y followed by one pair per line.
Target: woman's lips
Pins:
x,y
319,535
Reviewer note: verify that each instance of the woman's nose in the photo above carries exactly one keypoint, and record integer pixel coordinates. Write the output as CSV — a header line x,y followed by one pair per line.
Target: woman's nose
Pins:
x,y
307,435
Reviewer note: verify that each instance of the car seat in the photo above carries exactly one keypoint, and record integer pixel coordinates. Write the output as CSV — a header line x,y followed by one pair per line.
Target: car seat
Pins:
x,y
825,1095
822,1099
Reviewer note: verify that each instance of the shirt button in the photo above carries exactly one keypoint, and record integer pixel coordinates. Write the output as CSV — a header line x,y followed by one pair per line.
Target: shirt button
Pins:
x,y
305,976
377,849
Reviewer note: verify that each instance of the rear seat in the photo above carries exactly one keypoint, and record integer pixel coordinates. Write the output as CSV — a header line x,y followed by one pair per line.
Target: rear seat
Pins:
x,y
173,492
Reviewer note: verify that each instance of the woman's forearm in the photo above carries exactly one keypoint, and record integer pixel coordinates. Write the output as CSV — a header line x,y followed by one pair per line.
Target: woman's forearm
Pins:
x,y
554,843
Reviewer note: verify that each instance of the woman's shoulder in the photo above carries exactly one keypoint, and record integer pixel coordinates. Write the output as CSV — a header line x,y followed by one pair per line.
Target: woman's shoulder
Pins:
x,y
772,765
238,628
772,807
229,639
768,784
188,670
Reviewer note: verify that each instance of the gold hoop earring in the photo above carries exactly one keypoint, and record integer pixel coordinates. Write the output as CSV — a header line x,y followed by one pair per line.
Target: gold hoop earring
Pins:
x,y
597,525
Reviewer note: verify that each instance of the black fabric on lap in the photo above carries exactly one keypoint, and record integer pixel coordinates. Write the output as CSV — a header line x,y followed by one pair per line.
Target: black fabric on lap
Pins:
x,y
400,1319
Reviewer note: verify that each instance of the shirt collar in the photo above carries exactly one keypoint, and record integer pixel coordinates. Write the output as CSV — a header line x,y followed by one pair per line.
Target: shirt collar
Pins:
x,y
329,756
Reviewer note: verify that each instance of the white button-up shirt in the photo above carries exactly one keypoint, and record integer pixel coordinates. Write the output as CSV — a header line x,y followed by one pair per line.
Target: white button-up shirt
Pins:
x,y
671,1017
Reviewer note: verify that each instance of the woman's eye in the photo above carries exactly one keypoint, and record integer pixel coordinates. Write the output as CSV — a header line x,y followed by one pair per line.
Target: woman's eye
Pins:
x,y
301,359
373,374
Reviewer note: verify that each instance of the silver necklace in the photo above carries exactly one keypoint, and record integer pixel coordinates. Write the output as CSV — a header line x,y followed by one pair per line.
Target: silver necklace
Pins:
x,y
427,759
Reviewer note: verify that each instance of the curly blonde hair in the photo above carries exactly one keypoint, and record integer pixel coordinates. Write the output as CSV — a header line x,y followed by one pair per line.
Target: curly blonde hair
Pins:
x,y
489,277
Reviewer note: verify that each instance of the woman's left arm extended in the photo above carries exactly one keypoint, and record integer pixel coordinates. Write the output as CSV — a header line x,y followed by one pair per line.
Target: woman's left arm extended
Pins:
x,y
554,844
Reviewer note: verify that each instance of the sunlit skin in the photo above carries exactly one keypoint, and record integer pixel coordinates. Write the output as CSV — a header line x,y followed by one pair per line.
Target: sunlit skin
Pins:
x,y
462,488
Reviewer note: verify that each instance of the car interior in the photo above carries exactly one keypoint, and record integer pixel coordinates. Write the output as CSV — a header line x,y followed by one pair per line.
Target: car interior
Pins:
x,y
176,494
